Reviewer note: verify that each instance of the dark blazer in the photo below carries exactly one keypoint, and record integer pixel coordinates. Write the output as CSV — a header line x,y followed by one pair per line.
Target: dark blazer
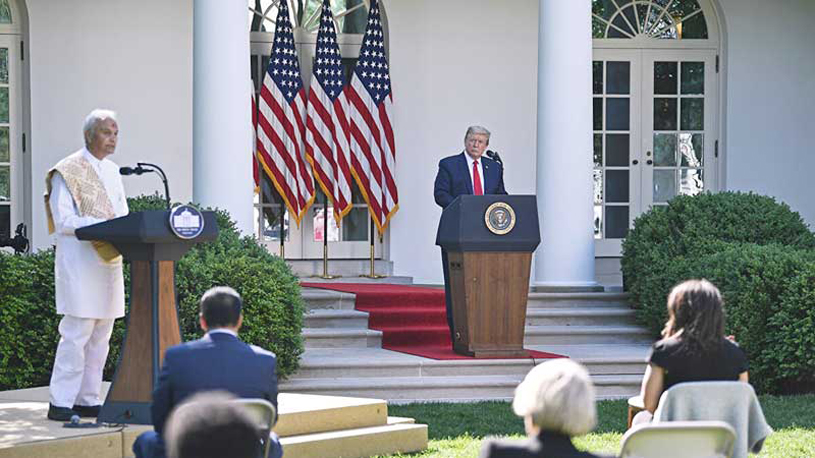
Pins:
x,y
453,178
218,361
545,445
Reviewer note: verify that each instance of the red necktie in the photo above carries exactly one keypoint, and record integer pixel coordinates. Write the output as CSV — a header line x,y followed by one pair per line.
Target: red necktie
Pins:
x,y
477,189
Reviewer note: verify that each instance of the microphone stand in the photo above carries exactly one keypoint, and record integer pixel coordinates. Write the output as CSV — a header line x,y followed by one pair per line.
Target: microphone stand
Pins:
x,y
163,176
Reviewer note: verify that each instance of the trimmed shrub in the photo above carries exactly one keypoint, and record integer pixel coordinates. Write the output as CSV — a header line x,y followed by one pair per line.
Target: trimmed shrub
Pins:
x,y
273,307
757,251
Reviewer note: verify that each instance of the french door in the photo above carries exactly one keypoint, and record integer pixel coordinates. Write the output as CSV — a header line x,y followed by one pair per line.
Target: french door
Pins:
x,y
12,197
655,131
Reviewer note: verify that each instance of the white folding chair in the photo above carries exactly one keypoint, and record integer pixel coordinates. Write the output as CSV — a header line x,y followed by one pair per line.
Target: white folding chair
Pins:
x,y
264,413
679,439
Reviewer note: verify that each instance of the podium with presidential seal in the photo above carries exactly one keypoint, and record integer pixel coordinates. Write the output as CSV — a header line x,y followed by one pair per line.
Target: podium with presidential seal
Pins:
x,y
152,241
489,242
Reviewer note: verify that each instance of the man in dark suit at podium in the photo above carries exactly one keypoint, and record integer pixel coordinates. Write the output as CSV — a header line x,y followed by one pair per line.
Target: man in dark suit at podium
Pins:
x,y
218,361
466,173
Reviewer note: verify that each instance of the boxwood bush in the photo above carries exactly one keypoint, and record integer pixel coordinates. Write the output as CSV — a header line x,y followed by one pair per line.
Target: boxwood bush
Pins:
x,y
758,252
273,307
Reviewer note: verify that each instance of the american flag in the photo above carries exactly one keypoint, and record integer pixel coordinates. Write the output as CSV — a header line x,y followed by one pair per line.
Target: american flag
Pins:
x,y
373,154
327,122
281,121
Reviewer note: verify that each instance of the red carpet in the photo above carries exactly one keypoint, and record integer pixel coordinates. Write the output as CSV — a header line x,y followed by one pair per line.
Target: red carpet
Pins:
x,y
412,318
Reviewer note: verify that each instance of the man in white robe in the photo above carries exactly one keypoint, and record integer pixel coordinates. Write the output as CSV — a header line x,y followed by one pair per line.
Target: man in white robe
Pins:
x,y
83,189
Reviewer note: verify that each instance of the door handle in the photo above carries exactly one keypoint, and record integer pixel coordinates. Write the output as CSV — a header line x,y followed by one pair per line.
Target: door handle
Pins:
x,y
635,162
649,162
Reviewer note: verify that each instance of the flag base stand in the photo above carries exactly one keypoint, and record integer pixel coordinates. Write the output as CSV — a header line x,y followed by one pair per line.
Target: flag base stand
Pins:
x,y
325,275
373,275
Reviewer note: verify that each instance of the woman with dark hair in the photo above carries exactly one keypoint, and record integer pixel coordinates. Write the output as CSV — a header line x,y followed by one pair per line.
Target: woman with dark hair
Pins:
x,y
693,346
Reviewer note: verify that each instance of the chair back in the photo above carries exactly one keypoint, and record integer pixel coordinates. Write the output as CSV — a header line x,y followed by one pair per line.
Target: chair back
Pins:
x,y
265,415
679,439
734,403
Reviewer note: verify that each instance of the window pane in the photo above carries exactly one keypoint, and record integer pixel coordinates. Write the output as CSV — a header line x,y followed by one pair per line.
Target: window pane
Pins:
x,y
691,182
617,114
4,104
665,77
664,150
5,12
4,145
597,77
617,150
319,224
598,150
693,77
617,186
271,224
690,150
598,221
664,185
355,225
618,78
597,114
620,24
693,114
5,183
598,28
616,222
5,221
355,21
664,114
598,187
4,65
694,28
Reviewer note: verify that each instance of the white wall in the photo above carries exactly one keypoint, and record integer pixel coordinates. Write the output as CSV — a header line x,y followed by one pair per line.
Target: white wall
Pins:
x,y
131,56
770,99
455,63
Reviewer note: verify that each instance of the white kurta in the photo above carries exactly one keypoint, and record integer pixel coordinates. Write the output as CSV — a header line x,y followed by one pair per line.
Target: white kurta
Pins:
x,y
86,286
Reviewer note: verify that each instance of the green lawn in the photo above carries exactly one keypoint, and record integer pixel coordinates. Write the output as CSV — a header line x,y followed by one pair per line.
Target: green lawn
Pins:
x,y
457,430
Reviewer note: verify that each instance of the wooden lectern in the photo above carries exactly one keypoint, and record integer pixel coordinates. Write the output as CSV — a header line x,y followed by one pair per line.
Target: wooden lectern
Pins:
x,y
489,242
145,239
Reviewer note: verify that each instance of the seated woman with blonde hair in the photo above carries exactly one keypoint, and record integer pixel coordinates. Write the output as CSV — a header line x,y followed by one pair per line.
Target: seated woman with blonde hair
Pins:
x,y
693,346
556,401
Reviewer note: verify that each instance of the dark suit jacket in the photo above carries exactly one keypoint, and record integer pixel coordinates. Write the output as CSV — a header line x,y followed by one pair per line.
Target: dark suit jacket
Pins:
x,y
545,445
218,361
453,178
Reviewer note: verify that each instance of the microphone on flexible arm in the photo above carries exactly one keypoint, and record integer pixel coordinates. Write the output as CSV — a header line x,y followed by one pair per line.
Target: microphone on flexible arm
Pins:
x,y
495,157
144,167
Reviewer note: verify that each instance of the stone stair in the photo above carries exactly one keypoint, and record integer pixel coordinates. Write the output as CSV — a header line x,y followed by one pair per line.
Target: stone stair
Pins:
x,y
343,357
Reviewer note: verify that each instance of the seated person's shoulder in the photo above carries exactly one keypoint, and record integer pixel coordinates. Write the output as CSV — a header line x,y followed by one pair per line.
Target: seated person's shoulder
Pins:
x,y
261,351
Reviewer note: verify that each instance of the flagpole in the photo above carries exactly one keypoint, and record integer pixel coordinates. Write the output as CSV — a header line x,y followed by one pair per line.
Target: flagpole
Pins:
x,y
325,275
373,274
282,233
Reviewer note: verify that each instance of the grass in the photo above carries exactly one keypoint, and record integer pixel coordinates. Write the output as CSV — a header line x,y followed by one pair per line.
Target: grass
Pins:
x,y
457,430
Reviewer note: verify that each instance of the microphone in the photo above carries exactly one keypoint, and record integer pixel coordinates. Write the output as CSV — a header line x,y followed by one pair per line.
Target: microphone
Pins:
x,y
495,157
138,170
144,167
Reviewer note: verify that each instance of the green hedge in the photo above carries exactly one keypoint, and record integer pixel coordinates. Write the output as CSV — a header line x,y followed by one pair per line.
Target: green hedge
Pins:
x,y
273,307
758,252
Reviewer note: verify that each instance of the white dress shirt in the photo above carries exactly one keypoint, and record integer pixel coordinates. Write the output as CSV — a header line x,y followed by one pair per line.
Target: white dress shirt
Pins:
x,y
86,286
470,161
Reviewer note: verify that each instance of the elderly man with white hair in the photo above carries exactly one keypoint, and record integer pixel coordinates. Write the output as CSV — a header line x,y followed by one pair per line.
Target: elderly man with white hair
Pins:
x,y
82,189
556,401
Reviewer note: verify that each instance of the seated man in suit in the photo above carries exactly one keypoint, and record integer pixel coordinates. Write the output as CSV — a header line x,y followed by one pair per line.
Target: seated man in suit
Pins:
x,y
466,173
218,361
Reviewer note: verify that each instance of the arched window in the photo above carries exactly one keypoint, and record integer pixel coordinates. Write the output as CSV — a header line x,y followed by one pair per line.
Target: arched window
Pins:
x,y
660,19
349,15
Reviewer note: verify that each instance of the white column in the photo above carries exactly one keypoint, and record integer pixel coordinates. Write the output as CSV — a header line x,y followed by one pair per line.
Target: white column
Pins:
x,y
565,258
222,148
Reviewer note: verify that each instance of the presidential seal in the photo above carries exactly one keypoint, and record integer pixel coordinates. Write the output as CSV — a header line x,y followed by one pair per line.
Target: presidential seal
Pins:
x,y
500,218
186,221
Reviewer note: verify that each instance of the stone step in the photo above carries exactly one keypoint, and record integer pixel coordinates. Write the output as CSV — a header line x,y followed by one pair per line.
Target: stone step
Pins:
x,y
314,368
447,388
574,335
349,269
330,318
308,414
395,437
577,300
319,299
582,316
334,338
